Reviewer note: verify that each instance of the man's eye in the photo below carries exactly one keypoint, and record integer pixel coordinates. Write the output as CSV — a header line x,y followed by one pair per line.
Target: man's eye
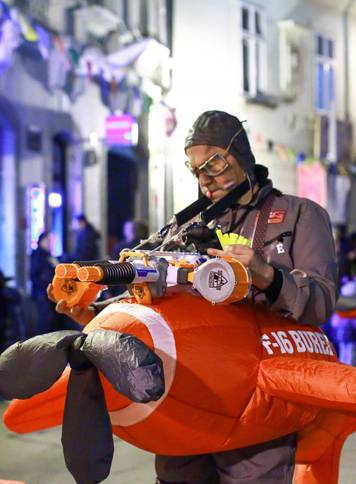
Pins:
x,y
216,164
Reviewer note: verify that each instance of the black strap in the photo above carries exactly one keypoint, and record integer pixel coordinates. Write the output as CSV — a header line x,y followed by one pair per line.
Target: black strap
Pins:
x,y
213,211
192,210
261,226
220,206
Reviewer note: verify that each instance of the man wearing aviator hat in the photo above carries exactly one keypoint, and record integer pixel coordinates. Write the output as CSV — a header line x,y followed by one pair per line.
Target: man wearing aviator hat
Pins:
x,y
287,244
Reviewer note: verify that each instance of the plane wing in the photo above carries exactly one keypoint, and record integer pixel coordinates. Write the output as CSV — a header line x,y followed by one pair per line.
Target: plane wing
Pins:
x,y
39,412
318,383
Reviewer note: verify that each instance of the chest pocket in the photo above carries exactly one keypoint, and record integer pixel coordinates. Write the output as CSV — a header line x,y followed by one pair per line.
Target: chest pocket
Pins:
x,y
278,249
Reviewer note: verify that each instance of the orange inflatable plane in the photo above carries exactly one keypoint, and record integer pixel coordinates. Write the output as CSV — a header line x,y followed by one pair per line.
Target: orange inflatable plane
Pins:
x,y
235,375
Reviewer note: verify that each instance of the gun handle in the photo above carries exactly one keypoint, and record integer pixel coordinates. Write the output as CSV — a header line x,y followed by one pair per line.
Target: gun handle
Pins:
x,y
142,293
75,293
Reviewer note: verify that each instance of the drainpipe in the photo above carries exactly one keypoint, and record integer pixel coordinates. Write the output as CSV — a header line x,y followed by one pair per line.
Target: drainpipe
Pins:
x,y
345,23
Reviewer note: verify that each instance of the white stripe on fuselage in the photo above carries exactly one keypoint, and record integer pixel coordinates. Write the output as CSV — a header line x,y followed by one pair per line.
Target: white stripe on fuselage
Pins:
x,y
164,346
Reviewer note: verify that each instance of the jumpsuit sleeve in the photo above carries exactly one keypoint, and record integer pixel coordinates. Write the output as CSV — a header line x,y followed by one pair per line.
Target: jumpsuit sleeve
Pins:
x,y
309,291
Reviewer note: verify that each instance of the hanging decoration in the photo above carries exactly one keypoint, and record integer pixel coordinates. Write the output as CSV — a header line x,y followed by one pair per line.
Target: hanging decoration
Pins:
x,y
312,182
70,65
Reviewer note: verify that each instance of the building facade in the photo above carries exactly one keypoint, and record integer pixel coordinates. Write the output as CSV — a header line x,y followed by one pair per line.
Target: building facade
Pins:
x,y
66,68
283,66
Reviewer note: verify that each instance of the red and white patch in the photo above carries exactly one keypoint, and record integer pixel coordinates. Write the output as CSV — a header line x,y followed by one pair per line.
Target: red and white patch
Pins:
x,y
276,217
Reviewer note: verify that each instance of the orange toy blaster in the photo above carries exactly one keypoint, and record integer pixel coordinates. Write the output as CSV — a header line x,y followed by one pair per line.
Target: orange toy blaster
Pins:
x,y
148,274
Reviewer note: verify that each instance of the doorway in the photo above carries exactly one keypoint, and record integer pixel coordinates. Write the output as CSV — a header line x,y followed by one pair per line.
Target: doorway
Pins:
x,y
8,241
122,182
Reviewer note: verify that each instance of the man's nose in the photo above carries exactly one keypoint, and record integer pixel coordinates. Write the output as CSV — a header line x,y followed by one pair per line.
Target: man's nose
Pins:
x,y
204,179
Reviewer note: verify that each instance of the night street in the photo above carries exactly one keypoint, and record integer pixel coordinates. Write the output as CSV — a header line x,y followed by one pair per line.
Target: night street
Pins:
x,y
37,459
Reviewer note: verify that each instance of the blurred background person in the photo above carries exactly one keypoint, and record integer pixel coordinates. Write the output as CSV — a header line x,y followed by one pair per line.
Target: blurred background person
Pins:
x,y
41,274
12,320
351,256
343,322
341,247
133,232
87,240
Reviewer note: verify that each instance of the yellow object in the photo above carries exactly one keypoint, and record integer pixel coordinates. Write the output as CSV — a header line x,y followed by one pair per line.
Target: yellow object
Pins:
x,y
231,239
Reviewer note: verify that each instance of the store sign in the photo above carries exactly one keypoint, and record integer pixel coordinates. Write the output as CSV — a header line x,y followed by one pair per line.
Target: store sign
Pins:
x,y
121,130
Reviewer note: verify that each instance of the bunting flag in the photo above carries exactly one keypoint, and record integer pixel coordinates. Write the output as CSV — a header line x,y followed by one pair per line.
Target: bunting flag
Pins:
x,y
74,85
127,55
58,67
28,32
171,120
291,154
68,65
44,41
282,152
258,139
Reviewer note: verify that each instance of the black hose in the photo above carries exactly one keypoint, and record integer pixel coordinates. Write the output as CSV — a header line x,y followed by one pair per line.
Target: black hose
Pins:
x,y
119,273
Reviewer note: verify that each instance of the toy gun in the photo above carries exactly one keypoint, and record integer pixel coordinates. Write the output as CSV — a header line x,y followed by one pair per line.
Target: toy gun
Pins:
x,y
148,274
188,231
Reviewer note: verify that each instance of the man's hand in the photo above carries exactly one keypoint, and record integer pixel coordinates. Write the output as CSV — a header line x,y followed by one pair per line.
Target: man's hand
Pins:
x,y
261,272
79,315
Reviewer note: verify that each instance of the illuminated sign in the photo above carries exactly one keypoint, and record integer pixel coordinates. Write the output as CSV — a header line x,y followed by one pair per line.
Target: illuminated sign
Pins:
x,y
121,130
55,200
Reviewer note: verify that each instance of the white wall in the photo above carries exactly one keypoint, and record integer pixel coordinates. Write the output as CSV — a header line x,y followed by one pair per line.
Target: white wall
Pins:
x,y
88,116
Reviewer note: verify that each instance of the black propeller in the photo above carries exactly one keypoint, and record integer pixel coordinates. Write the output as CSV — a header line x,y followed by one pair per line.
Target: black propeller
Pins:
x,y
32,366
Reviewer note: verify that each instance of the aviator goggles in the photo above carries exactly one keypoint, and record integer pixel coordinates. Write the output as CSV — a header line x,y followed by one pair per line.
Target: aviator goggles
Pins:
x,y
216,164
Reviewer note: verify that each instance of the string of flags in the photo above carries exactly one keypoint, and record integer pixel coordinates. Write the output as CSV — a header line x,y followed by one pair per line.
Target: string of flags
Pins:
x,y
285,153
124,77
291,155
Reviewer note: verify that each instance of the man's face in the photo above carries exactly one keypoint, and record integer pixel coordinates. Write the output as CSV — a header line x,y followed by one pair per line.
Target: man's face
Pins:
x,y
45,243
215,187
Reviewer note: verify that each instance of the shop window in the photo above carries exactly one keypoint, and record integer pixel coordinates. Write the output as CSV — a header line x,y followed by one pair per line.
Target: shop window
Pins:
x,y
324,74
253,49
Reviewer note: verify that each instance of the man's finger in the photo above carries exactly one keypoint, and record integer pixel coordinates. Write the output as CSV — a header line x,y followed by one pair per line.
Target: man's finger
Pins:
x,y
50,292
62,307
215,252
75,311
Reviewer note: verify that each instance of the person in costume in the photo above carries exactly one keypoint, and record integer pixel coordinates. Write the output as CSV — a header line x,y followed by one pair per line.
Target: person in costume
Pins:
x,y
287,244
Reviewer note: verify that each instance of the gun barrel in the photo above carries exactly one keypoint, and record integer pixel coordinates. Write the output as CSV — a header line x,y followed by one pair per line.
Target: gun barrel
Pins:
x,y
66,271
118,273
70,271
90,274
